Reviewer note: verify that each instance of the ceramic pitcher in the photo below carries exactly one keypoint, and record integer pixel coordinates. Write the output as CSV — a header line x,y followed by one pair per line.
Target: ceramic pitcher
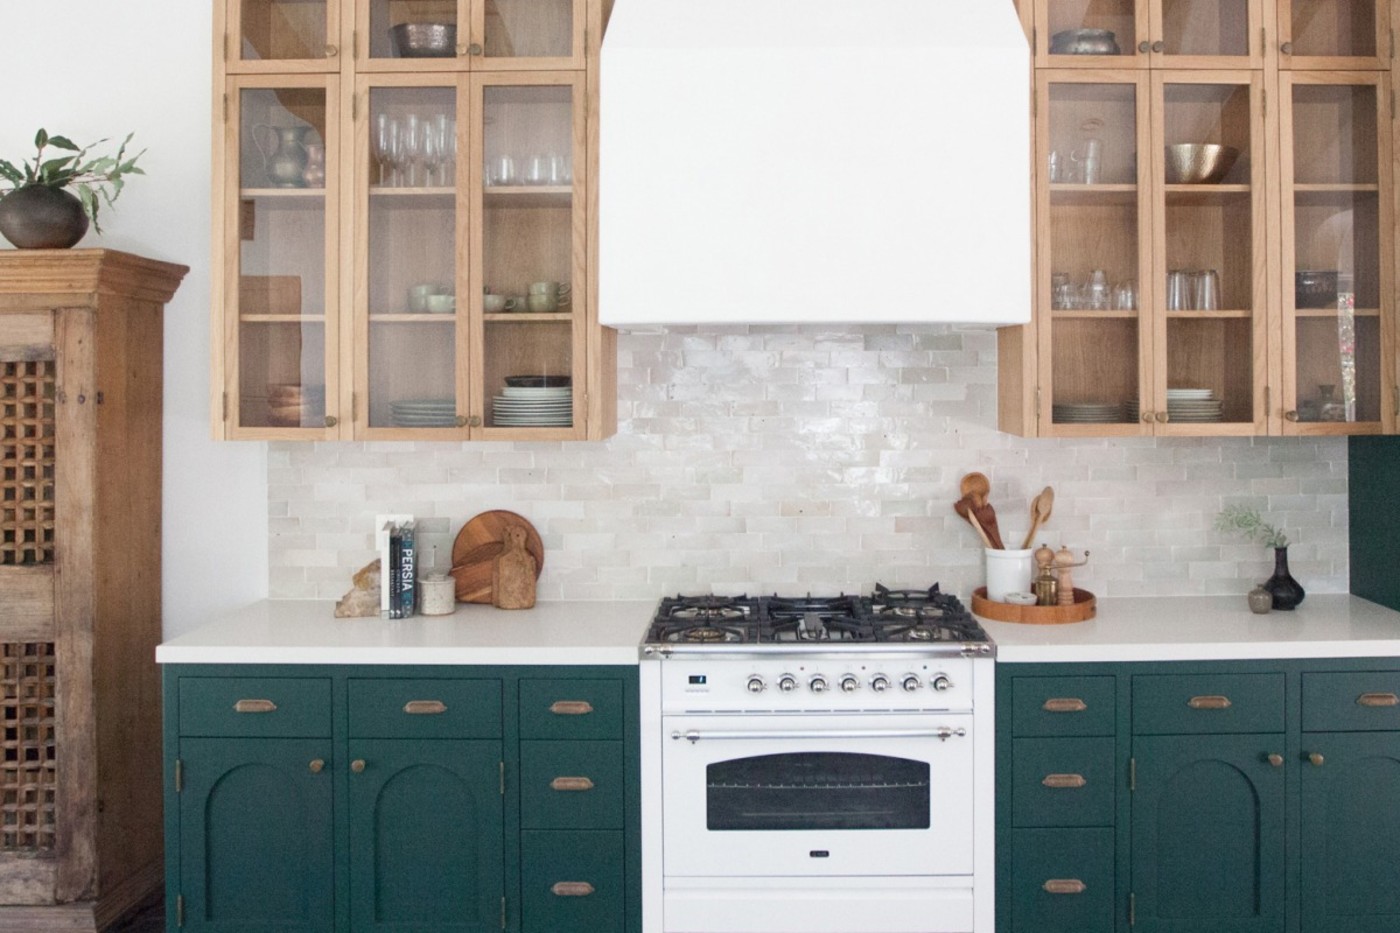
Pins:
x,y
284,158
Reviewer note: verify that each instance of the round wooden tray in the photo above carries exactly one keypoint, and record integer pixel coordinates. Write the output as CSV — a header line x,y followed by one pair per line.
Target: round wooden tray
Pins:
x,y
1083,608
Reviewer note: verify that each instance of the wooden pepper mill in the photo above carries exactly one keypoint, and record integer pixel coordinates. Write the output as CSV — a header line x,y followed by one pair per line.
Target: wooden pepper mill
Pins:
x,y
1064,581
513,574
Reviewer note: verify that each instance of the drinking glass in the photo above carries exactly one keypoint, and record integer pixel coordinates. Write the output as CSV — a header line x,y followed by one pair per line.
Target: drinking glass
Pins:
x,y
1098,291
1207,290
1125,296
537,170
501,171
411,141
1061,291
432,155
1178,290
446,129
386,134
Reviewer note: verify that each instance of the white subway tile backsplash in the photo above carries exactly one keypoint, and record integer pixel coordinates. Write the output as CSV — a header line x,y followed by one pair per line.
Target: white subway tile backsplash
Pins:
x,y
757,459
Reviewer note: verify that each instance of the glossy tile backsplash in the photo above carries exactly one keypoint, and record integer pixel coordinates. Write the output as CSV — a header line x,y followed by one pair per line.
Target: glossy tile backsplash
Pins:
x,y
812,459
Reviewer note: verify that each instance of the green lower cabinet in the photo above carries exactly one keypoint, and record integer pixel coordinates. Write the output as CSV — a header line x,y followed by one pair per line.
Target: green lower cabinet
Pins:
x,y
426,834
571,785
572,881
1063,782
255,835
1350,788
1062,881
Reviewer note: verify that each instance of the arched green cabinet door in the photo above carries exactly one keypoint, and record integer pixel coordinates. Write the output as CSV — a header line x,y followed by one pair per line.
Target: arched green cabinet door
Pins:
x,y
426,836
255,835
1350,786
1207,834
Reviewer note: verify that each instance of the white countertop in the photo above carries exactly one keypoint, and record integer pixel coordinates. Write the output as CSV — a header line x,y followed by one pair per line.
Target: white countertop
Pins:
x,y
1197,628
302,631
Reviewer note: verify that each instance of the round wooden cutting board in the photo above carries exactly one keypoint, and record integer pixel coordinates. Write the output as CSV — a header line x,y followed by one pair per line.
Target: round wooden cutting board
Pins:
x,y
478,544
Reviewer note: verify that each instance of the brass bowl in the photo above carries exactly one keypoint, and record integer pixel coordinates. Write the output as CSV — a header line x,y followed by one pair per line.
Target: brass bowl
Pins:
x,y
1199,163
424,40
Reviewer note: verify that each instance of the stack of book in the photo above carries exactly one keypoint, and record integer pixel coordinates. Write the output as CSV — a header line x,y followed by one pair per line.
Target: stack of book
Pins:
x,y
398,560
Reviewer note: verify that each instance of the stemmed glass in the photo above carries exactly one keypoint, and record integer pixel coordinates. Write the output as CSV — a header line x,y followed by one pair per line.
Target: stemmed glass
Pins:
x,y
446,129
385,142
411,142
433,155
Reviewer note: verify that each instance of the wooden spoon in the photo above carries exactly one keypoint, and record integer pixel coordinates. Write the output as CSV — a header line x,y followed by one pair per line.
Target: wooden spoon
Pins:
x,y
987,517
964,508
1041,507
975,486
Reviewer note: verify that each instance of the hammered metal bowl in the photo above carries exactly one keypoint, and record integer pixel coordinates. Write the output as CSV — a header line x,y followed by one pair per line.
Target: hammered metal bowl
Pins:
x,y
424,40
1199,163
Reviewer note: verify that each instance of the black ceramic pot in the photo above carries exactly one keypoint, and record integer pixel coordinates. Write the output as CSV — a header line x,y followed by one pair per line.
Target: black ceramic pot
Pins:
x,y
1287,592
40,217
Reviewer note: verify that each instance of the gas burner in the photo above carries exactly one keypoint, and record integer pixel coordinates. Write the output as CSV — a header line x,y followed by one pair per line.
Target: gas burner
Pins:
x,y
709,633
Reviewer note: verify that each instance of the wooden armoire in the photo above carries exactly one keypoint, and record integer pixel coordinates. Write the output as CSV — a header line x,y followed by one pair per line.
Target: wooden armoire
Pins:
x,y
80,530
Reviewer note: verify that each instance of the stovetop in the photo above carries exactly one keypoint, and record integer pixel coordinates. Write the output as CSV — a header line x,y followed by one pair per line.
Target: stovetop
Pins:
x,y
884,618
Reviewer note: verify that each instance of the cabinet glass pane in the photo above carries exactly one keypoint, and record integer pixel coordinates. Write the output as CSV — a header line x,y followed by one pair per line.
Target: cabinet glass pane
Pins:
x,y
1095,291
1333,28
412,258
1104,27
1209,252
282,258
528,255
529,28
1205,27
1336,255
414,29
282,29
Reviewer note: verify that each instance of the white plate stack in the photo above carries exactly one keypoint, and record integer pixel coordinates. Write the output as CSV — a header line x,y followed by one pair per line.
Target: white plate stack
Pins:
x,y
1196,406
424,413
1087,412
534,406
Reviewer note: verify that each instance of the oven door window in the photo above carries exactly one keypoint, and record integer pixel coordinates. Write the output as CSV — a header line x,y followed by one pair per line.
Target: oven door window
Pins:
x,y
817,790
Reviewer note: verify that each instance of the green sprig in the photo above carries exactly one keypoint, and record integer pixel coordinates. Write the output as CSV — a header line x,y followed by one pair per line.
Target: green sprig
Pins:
x,y
1246,521
96,180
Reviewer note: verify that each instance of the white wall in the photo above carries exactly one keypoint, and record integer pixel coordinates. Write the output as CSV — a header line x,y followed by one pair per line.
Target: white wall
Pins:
x,y
91,69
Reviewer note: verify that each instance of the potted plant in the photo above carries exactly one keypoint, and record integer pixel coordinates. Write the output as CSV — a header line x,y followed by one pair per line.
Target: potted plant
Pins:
x,y
1287,593
40,211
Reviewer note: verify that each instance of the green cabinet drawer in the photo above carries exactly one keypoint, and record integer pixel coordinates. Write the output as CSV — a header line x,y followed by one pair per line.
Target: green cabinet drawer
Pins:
x,y
256,707
408,708
572,881
1062,782
1062,705
571,709
1366,701
1194,704
571,785
1062,881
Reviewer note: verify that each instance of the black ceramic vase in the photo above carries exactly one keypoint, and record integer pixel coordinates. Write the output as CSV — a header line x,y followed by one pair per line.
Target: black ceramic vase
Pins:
x,y
40,217
1287,592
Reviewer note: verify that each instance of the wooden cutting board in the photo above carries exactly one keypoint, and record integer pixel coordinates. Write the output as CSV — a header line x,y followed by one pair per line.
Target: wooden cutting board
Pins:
x,y
477,546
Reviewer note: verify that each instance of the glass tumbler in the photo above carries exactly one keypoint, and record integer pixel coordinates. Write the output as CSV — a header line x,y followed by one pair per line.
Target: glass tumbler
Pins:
x,y
1179,296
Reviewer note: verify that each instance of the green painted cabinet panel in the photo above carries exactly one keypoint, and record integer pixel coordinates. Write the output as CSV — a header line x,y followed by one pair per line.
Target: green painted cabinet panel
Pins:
x,y
1351,833
1345,701
1373,484
436,708
255,706
255,836
571,785
1062,881
1062,706
1063,782
560,708
572,881
1208,834
426,836
1178,704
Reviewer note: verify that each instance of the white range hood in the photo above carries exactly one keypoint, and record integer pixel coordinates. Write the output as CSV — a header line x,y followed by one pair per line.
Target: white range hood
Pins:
x,y
809,161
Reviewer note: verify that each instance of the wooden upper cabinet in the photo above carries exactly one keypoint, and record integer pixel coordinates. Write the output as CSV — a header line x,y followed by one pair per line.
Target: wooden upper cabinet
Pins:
x,y
1335,34
282,36
1150,34
473,35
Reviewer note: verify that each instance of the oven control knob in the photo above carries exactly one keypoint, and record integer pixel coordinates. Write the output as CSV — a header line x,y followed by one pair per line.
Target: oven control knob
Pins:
x,y
817,684
941,682
756,684
787,683
910,682
849,683
879,683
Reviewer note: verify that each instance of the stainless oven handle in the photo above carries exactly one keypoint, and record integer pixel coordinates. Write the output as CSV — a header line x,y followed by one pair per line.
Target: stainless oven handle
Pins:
x,y
942,733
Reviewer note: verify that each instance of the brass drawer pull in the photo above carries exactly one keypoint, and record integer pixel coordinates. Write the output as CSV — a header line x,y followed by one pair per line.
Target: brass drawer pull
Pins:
x,y
255,706
571,889
1378,699
1316,758
317,765
424,707
358,766
1209,702
1064,705
571,783
571,707
1063,886
1275,759
1064,780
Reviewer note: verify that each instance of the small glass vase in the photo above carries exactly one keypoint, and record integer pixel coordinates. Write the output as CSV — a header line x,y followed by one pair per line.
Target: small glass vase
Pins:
x,y
1286,591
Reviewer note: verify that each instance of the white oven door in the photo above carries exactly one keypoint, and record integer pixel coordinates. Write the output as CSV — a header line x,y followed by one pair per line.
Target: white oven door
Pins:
x,y
816,795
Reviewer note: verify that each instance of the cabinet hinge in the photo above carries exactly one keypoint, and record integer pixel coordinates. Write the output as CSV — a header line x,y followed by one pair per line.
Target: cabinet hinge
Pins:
x,y
1132,774
1263,104
503,779
1263,40
354,402
225,46
354,107
1392,43
1392,105
1037,406
179,910
1132,910
355,42
1268,400
225,405
1397,400
503,913
179,775
225,108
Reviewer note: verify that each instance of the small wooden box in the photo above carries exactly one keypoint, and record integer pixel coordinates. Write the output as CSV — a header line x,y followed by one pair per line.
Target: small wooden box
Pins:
x,y
269,294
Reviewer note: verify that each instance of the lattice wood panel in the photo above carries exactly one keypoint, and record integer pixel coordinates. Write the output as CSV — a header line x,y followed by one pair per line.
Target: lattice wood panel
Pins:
x,y
26,461
28,751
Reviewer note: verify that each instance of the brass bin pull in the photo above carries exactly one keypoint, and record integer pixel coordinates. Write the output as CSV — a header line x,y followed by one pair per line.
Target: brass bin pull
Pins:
x,y
1064,780
1064,705
317,765
424,707
1378,699
1063,886
1209,702
571,889
571,707
255,706
571,783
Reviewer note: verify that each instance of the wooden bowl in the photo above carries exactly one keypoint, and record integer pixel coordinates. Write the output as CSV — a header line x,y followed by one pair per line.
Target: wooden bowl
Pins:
x,y
1083,608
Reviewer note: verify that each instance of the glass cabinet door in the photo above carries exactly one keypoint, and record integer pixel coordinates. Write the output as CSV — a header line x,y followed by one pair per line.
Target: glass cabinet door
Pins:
x,y
1337,241
410,374
1103,34
1334,34
1209,282
1206,34
413,35
265,35
1091,286
531,253
529,33
282,167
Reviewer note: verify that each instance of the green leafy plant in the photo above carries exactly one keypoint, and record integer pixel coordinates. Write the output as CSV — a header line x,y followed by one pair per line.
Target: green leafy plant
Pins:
x,y
95,179
1246,521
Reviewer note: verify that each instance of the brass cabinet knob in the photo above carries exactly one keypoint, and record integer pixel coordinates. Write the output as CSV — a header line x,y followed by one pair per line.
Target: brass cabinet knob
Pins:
x,y
1161,416
1144,46
1290,416
317,765
1316,758
332,51
474,421
1158,46
1286,48
332,421
358,765
1147,416
1276,760
475,49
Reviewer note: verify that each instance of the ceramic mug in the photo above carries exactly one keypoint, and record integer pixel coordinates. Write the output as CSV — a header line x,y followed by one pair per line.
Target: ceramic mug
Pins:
x,y
418,296
441,304
494,304
559,292
542,301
